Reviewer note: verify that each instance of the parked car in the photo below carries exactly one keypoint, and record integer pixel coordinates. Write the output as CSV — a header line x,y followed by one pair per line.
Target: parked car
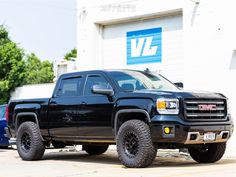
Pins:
x,y
4,141
139,111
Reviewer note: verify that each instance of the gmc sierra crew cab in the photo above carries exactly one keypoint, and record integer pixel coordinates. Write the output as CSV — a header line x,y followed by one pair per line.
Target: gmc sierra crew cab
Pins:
x,y
139,111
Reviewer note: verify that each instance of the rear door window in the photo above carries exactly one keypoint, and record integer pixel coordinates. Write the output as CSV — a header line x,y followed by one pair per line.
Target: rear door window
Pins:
x,y
70,87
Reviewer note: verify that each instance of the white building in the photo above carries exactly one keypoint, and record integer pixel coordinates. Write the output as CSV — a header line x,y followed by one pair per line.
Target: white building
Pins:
x,y
63,66
192,41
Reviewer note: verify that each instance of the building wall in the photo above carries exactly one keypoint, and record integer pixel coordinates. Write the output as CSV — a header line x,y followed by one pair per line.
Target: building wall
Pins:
x,y
209,47
115,46
206,57
94,16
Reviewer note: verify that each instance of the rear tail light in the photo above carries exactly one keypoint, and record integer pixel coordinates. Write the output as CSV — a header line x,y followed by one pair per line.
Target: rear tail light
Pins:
x,y
7,113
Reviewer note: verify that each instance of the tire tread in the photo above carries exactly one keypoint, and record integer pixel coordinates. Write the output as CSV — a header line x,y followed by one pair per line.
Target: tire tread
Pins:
x,y
214,153
37,148
147,153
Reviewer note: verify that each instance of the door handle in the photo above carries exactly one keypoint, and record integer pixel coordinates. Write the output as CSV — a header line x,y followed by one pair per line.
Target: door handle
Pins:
x,y
83,103
53,103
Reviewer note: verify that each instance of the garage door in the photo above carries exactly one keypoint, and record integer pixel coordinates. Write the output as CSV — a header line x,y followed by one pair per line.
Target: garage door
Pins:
x,y
155,43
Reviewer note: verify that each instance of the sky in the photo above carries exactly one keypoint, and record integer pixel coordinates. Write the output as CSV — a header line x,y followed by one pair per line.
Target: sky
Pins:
x,y
44,27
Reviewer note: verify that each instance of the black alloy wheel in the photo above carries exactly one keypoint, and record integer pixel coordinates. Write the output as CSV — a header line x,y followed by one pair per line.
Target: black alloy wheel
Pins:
x,y
26,142
131,144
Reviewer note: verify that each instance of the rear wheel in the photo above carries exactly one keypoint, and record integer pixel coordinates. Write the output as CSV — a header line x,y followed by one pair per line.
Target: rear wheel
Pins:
x,y
134,144
29,143
208,153
95,149
58,144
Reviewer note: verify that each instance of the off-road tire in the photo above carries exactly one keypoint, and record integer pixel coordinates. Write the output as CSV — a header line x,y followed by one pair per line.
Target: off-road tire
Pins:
x,y
58,144
95,149
134,144
29,143
209,153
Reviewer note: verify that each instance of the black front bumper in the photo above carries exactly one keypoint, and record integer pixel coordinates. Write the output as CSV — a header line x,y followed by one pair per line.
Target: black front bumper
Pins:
x,y
188,132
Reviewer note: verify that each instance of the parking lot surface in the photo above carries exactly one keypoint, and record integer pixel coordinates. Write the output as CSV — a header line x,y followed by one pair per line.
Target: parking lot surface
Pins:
x,y
72,162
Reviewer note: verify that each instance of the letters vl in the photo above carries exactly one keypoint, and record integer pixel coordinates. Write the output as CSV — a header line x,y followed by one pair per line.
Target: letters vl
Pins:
x,y
142,47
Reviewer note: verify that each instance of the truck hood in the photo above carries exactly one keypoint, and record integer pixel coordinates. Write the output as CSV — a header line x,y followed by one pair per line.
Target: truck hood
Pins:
x,y
181,93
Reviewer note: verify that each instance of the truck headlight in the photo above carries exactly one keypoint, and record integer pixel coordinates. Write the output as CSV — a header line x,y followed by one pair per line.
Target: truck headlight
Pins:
x,y
167,106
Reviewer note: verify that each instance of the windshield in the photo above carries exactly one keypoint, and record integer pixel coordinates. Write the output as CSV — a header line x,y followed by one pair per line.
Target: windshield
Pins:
x,y
137,80
2,112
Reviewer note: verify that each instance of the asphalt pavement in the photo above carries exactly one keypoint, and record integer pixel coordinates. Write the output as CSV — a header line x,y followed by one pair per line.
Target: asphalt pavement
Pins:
x,y
72,162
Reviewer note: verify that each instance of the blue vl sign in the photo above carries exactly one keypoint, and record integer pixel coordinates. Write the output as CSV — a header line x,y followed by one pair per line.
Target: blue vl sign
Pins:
x,y
144,46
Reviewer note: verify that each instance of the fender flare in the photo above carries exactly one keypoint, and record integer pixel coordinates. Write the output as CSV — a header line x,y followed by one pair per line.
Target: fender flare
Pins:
x,y
129,111
27,114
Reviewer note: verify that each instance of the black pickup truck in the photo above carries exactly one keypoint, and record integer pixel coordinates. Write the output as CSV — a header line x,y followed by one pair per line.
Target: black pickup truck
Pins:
x,y
139,111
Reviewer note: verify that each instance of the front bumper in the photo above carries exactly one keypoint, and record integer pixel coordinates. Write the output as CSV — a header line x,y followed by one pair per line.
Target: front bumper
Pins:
x,y
221,136
189,132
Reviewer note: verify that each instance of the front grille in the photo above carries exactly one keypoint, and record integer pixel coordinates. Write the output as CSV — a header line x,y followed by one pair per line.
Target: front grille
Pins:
x,y
205,109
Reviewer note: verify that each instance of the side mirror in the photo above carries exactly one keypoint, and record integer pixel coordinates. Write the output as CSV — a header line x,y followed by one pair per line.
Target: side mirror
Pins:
x,y
179,84
102,89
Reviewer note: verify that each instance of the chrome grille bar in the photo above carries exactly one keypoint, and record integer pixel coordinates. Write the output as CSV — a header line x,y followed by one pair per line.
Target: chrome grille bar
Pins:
x,y
192,111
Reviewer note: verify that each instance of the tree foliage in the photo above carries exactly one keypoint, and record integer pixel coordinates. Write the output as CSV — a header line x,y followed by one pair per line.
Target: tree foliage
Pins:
x,y
37,71
71,54
17,69
11,65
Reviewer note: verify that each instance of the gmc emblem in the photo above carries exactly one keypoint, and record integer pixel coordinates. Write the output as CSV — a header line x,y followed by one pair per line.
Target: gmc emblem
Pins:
x,y
206,107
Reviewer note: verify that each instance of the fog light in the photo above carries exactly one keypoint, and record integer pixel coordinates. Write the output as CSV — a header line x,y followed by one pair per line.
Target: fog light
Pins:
x,y
167,130
193,137
225,135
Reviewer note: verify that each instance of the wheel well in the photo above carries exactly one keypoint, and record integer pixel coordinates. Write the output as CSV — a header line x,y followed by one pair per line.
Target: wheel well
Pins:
x,y
25,118
123,117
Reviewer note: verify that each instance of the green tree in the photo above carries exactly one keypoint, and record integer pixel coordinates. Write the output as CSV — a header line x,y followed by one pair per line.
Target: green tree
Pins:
x,y
71,54
11,65
37,71
17,69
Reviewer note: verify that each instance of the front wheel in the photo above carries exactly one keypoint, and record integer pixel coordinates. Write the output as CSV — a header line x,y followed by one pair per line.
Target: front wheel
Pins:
x,y
29,143
134,144
208,153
